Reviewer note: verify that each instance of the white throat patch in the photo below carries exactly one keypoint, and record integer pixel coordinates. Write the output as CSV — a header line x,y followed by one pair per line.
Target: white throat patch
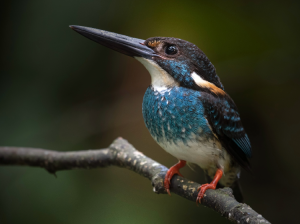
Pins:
x,y
197,78
160,79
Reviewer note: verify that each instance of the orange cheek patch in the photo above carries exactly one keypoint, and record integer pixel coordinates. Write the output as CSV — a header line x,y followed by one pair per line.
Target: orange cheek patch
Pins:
x,y
213,88
153,43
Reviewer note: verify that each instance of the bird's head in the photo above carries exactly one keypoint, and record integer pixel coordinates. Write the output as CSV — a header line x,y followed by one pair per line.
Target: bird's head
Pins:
x,y
170,61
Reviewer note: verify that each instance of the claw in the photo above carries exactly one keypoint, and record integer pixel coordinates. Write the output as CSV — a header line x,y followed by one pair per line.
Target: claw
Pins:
x,y
212,185
168,190
171,172
202,190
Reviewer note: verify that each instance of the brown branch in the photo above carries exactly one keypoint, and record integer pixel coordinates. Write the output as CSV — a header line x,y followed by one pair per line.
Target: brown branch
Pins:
x,y
121,153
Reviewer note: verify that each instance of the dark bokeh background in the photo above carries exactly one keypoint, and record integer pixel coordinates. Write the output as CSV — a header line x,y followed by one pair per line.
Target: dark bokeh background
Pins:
x,y
61,91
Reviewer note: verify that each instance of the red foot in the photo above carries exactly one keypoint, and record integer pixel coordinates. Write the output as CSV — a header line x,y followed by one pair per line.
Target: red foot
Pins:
x,y
171,172
212,185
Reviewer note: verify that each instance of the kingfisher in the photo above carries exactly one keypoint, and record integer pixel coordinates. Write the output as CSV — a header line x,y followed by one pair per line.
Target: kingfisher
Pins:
x,y
185,108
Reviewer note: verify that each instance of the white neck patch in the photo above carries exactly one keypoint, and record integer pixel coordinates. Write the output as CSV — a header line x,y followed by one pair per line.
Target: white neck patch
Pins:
x,y
160,79
197,78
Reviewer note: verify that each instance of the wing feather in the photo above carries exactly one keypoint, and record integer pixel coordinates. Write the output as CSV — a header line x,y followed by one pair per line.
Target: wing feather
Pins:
x,y
226,123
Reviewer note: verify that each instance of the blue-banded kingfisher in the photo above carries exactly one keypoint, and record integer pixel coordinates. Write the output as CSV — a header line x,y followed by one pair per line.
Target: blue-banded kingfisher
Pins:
x,y
186,109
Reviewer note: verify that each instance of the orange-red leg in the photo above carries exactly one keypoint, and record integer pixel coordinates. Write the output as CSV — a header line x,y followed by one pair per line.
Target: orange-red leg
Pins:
x,y
171,172
212,185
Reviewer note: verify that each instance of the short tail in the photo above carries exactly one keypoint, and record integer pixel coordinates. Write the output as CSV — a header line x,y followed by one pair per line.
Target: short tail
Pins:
x,y
237,192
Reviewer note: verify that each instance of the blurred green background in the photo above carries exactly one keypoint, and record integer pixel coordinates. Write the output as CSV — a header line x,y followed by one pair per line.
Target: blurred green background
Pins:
x,y
61,91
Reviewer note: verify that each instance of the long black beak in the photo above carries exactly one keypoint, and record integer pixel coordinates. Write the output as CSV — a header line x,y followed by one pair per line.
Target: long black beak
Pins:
x,y
121,43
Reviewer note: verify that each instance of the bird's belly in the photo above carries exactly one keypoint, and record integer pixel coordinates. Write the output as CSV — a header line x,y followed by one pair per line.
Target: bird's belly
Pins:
x,y
208,154
204,153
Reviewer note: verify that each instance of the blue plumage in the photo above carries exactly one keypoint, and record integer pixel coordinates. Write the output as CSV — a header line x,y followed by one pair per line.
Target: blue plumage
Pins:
x,y
177,112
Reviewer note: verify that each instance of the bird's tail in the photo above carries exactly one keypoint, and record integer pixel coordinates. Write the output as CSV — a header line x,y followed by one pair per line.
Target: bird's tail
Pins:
x,y
237,192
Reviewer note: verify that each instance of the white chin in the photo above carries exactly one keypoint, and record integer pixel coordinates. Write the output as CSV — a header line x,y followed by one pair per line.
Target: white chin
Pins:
x,y
160,79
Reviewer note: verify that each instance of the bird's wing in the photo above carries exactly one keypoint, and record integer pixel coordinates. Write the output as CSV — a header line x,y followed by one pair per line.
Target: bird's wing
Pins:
x,y
226,123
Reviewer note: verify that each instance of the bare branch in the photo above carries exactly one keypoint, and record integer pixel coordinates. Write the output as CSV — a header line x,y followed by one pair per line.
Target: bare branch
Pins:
x,y
121,153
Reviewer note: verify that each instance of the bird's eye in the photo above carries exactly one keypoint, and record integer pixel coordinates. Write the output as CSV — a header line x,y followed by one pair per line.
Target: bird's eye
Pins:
x,y
171,49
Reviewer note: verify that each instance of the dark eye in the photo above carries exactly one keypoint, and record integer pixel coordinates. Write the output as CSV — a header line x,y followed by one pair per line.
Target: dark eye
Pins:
x,y
171,49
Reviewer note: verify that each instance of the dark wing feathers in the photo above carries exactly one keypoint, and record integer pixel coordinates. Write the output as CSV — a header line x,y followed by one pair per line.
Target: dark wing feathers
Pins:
x,y
226,123
244,144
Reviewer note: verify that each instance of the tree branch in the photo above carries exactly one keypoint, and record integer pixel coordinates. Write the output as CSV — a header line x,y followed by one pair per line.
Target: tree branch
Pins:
x,y
121,153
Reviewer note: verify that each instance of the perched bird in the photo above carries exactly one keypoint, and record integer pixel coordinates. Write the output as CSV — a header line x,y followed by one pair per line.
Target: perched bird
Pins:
x,y
186,109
